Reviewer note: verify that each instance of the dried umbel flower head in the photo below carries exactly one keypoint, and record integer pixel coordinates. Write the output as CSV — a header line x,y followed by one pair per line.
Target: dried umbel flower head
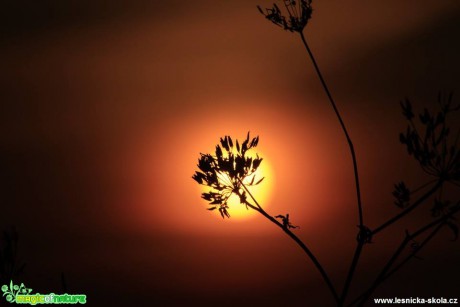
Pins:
x,y
299,12
226,171
430,146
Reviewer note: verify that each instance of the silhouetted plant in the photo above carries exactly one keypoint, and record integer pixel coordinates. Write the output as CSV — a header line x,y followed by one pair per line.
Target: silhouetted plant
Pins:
x,y
227,172
430,149
9,266
299,13
439,158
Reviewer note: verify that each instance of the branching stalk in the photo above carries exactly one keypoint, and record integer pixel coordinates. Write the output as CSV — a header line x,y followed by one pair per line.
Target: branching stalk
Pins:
x,y
351,272
431,158
410,208
412,255
342,124
387,270
359,245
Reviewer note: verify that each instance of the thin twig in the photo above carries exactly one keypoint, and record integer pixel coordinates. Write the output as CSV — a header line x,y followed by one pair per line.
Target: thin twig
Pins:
x,y
402,263
385,273
355,168
298,241
413,254
351,272
422,186
409,209
350,143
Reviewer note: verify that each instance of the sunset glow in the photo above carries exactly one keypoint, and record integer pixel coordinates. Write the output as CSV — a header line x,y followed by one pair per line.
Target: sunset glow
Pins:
x,y
107,106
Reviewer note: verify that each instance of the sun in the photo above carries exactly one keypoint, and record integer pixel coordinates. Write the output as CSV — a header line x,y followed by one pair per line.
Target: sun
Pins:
x,y
261,192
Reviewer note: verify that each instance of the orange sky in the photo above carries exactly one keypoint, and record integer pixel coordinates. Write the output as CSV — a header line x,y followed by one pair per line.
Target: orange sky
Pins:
x,y
106,108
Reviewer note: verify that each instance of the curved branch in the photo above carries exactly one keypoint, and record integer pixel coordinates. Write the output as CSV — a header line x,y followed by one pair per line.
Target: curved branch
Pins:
x,y
342,124
298,241
409,209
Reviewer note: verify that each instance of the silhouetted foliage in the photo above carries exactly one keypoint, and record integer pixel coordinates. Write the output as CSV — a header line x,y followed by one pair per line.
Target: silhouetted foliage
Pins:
x,y
438,156
427,141
299,12
229,171
9,264
430,145
226,170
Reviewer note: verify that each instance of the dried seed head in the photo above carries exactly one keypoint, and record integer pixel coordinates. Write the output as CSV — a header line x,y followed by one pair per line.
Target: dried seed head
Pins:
x,y
298,14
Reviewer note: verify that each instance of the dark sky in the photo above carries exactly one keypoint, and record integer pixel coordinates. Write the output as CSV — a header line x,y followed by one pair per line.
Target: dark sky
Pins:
x,y
106,105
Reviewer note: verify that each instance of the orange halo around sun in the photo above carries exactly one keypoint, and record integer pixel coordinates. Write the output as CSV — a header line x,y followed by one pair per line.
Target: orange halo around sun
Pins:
x,y
261,192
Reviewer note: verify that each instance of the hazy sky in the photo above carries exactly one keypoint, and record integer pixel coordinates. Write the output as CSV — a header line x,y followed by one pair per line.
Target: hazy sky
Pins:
x,y
106,106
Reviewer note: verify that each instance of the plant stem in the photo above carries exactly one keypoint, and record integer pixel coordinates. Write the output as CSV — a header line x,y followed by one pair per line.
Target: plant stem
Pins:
x,y
298,241
383,274
351,272
350,143
388,265
409,209
412,255
359,246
